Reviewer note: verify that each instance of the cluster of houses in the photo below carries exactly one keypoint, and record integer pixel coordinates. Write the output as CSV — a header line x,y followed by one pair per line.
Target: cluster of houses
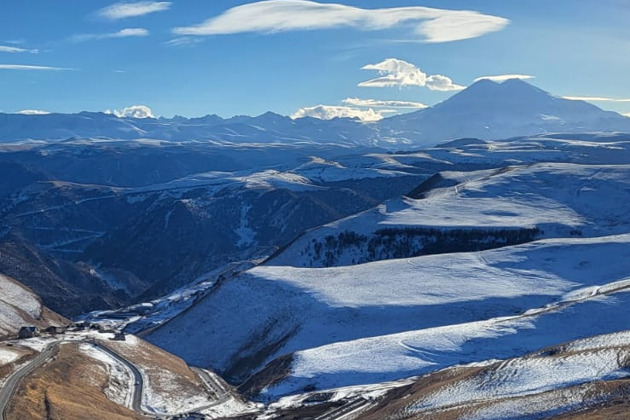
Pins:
x,y
31,331
189,416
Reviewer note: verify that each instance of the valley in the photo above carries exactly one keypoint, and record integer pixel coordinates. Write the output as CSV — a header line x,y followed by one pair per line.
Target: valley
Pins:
x,y
309,272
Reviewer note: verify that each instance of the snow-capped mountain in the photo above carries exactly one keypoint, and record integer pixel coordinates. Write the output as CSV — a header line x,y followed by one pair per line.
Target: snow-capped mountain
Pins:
x,y
490,110
486,110
266,128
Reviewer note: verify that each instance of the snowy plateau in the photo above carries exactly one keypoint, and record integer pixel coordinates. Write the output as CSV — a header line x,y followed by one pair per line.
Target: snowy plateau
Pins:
x,y
466,261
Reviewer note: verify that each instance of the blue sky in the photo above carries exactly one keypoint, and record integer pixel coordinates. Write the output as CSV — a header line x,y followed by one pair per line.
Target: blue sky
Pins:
x,y
195,57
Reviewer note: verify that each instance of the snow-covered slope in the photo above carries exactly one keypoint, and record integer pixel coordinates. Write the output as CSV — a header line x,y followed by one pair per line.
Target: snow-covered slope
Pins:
x,y
20,307
596,304
471,266
280,310
590,149
326,171
475,210
538,385
528,241
583,378
120,219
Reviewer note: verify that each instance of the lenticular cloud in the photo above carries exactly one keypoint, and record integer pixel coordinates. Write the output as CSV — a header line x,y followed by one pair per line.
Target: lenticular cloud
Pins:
x,y
425,23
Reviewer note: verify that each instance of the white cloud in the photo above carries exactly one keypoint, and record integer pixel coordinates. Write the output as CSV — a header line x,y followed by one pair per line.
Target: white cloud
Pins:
x,y
395,72
182,40
134,111
28,67
429,24
377,103
454,25
327,112
442,83
123,33
7,49
596,99
33,112
127,32
126,10
504,77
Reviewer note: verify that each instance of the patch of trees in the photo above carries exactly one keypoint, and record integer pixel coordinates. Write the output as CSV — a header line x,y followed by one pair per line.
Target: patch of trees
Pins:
x,y
351,247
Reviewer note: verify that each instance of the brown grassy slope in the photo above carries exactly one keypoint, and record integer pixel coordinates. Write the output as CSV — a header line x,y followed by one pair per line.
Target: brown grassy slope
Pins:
x,y
69,387
617,407
396,400
24,354
599,399
165,373
620,411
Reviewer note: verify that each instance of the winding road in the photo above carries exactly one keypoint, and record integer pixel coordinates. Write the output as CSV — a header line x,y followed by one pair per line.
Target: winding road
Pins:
x,y
136,399
217,389
214,386
220,392
13,382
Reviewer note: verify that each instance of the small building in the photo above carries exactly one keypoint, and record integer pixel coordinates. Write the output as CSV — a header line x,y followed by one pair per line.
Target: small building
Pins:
x,y
189,416
28,332
53,329
81,326
119,336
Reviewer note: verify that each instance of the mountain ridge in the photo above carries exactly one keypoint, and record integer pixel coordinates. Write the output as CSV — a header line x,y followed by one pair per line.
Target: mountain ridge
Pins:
x,y
486,109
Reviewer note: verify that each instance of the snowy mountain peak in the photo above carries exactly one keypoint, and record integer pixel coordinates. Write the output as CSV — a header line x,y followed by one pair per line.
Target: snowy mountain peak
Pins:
x,y
491,110
518,87
516,94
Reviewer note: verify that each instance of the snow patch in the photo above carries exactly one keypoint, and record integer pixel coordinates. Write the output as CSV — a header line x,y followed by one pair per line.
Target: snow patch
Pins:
x,y
245,233
7,356
120,381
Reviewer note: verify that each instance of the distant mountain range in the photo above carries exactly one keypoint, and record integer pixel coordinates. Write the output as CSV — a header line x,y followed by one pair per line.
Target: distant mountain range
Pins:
x,y
485,110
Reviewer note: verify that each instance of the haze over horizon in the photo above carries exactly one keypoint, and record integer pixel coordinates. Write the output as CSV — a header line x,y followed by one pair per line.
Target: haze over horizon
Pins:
x,y
235,57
